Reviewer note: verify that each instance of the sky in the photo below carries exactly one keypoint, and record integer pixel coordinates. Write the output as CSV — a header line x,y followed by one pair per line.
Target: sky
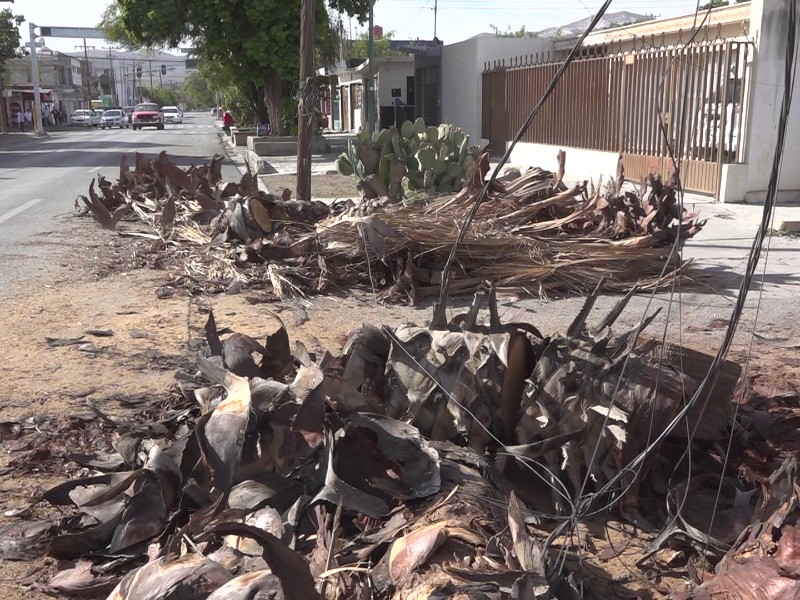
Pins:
x,y
456,20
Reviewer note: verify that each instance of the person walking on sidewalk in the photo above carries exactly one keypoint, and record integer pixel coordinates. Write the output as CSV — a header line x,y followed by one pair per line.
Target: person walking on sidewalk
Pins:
x,y
28,120
20,120
227,122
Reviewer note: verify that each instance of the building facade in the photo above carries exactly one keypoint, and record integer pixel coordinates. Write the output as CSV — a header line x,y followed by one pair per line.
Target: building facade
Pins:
x,y
62,83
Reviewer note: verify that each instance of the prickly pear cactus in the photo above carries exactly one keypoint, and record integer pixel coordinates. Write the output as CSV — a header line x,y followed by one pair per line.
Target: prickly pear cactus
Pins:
x,y
413,158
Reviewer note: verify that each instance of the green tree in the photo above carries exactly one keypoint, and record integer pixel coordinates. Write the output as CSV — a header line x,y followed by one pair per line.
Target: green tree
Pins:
x,y
196,92
511,33
714,4
162,96
359,47
254,42
9,35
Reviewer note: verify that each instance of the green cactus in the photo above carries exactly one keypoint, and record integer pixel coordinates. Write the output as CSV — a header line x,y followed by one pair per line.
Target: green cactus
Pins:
x,y
411,158
407,129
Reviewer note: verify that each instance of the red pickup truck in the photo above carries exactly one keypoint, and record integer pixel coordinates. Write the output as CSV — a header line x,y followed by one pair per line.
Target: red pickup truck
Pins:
x,y
147,115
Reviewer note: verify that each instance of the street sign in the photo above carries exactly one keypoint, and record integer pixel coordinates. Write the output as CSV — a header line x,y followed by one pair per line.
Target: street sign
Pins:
x,y
72,32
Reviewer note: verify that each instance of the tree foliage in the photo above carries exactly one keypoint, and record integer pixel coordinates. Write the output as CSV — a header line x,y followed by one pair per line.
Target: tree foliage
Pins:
x,y
359,47
196,92
9,35
162,96
513,33
714,4
254,42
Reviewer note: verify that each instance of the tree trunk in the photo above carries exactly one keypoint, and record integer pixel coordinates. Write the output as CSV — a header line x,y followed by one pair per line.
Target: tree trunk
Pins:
x,y
255,94
273,94
305,108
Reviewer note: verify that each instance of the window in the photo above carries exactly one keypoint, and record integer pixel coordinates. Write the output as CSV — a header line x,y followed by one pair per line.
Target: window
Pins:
x,y
357,96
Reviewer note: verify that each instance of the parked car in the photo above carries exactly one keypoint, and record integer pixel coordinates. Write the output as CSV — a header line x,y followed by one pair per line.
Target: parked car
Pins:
x,y
147,114
172,114
127,112
111,118
84,117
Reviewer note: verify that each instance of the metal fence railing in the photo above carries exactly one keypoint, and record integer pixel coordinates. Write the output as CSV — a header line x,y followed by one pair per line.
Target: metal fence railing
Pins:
x,y
618,99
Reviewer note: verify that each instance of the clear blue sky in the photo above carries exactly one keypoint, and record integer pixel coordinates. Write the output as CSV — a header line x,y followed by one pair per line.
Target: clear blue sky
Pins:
x,y
457,19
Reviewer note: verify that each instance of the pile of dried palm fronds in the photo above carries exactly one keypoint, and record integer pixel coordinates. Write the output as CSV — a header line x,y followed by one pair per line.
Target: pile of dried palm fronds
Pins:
x,y
532,233
423,463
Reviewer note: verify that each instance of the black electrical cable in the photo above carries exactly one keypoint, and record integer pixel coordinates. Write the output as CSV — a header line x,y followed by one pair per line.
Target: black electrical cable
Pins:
x,y
440,307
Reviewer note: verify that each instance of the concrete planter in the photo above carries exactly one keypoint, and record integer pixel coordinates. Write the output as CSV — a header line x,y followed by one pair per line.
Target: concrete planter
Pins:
x,y
257,164
239,136
283,145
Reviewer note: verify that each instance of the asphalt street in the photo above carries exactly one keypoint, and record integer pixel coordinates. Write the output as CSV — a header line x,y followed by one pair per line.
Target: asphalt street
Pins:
x,y
40,178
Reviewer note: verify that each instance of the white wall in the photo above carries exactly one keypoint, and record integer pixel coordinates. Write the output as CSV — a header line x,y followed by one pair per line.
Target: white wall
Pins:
x,y
768,25
462,66
580,165
460,87
393,75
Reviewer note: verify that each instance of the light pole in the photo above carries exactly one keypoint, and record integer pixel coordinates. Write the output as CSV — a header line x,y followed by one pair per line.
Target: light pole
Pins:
x,y
37,99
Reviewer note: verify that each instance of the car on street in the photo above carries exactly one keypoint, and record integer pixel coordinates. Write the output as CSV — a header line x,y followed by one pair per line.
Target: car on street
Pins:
x,y
84,117
111,118
172,114
147,114
127,112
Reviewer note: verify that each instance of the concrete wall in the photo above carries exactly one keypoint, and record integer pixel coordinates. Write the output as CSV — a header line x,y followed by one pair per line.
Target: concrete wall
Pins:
x,y
581,164
393,75
460,87
462,66
768,26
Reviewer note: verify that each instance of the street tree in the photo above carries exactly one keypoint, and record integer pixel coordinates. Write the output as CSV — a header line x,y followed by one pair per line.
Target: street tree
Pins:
x,y
196,91
255,42
9,48
9,35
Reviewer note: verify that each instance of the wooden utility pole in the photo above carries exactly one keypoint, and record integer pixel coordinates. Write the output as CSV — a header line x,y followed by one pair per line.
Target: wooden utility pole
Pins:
x,y
305,108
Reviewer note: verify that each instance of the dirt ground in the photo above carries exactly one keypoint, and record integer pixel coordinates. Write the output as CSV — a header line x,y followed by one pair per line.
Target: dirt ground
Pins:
x,y
88,283
329,185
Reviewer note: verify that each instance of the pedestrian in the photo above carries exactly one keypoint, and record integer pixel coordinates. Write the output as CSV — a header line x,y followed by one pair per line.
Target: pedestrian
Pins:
x,y
227,122
20,120
28,119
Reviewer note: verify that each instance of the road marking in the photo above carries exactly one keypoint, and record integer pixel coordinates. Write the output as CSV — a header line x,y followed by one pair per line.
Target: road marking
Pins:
x,y
13,213
94,169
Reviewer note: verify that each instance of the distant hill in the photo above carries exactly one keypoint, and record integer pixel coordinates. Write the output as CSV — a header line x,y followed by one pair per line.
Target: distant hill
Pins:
x,y
617,19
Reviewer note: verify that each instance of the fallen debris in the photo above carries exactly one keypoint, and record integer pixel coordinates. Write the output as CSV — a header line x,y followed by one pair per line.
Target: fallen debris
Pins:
x,y
533,234
420,463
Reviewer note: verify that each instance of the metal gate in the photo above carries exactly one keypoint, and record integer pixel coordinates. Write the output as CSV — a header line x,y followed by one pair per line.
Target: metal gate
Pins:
x,y
620,101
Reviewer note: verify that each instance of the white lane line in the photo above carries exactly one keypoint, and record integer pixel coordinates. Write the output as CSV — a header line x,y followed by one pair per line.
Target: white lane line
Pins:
x,y
94,169
13,213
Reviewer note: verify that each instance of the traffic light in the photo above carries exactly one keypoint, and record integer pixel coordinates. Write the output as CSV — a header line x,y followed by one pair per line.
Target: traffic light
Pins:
x,y
139,72
163,69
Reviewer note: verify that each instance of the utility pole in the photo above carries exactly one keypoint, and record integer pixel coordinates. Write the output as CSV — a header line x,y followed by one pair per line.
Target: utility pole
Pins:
x,y
113,79
85,69
150,68
37,97
435,11
371,82
305,107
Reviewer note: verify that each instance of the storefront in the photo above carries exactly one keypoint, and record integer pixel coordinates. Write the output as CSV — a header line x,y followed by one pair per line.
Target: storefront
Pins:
x,y
21,98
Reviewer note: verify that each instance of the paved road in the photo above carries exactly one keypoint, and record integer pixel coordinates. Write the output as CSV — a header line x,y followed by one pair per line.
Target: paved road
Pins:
x,y
40,178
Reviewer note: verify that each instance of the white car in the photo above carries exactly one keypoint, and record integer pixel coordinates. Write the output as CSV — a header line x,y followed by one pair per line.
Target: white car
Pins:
x,y
172,114
84,117
111,118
